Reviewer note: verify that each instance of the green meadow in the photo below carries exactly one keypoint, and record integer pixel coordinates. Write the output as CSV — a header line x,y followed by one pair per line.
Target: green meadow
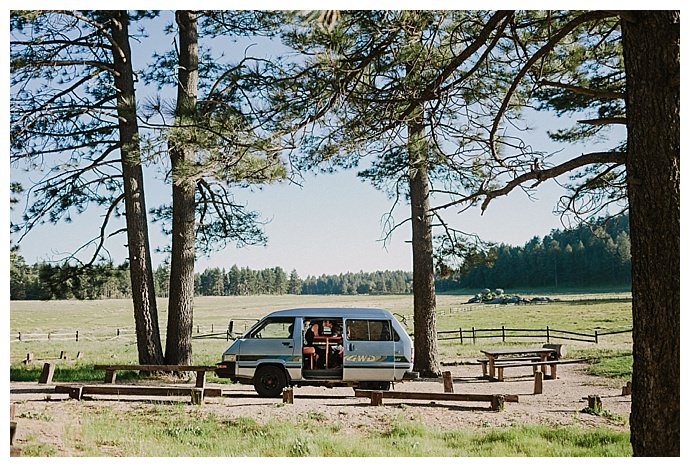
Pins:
x,y
176,430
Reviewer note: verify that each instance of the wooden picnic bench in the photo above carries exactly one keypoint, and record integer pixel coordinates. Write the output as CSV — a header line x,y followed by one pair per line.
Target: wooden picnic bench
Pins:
x,y
552,364
76,391
485,362
542,353
111,370
496,400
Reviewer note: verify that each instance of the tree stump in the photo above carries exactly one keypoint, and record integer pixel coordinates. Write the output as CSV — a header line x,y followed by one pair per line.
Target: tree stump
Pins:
x,y
498,402
594,403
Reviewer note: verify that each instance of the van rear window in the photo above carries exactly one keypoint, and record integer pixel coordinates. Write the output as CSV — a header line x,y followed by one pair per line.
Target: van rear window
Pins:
x,y
369,330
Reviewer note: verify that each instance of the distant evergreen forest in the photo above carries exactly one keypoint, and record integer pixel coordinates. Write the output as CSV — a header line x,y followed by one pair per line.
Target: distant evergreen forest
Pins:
x,y
588,256
584,257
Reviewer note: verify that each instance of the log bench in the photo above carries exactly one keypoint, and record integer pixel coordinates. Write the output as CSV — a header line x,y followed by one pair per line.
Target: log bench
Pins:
x,y
552,364
496,400
111,371
78,391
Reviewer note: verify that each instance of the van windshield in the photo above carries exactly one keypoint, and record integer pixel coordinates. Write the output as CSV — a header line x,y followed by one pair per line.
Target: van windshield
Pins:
x,y
274,328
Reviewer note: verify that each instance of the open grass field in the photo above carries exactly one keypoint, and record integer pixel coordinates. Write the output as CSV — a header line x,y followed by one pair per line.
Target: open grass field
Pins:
x,y
336,427
98,322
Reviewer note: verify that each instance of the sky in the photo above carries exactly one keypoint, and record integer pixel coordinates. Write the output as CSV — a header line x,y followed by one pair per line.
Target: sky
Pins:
x,y
328,225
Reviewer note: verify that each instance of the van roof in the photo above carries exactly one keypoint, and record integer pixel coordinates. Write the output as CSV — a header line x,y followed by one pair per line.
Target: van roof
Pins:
x,y
332,313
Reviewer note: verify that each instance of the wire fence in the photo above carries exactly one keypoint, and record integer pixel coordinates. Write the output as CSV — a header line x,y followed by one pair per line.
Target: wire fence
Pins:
x,y
472,335
234,328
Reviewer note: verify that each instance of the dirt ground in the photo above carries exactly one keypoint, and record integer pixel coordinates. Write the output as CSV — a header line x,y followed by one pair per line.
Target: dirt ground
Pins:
x,y
43,416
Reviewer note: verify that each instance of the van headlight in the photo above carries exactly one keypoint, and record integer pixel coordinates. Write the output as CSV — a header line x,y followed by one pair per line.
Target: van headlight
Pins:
x,y
229,358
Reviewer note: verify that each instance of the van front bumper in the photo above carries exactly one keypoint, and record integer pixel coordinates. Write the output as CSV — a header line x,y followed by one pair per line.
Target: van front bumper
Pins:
x,y
225,369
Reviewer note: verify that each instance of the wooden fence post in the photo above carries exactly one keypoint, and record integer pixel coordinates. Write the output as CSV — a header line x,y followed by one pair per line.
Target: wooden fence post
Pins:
x,y
474,336
20,336
376,398
548,335
596,336
197,396
288,396
447,382
47,373
29,358
460,331
63,355
538,382
627,389
503,333
77,336
230,326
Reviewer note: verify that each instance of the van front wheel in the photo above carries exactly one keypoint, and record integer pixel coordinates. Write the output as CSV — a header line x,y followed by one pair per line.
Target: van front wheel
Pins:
x,y
269,381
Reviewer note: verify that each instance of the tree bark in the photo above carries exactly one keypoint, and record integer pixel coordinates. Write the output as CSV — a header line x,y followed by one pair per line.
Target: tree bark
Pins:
x,y
178,344
141,272
651,48
424,287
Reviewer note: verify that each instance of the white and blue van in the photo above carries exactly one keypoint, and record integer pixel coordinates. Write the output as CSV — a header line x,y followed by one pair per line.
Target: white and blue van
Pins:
x,y
361,347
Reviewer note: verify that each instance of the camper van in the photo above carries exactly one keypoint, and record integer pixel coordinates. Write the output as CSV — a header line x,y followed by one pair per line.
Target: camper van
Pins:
x,y
360,347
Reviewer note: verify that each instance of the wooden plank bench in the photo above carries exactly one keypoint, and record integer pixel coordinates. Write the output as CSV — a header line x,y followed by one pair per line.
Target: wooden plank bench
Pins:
x,y
552,364
111,370
496,400
485,362
197,394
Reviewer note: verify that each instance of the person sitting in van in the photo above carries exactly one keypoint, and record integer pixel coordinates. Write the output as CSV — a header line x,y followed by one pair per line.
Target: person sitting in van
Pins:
x,y
312,332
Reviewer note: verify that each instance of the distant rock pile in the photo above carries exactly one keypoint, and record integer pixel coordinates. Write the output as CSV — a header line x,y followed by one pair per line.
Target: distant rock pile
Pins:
x,y
499,297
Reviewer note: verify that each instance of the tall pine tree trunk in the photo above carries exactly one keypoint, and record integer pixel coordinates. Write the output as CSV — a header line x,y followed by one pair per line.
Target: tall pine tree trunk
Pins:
x,y
651,47
424,288
141,273
423,283
178,345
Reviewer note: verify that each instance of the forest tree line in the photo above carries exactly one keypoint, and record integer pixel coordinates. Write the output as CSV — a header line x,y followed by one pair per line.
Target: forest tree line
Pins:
x,y
583,257
587,256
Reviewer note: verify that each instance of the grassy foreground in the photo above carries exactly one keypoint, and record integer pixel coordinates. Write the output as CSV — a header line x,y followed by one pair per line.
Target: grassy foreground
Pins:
x,y
177,431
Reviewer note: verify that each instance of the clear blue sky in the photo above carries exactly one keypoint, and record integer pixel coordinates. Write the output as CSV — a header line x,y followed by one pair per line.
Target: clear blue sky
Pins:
x,y
331,224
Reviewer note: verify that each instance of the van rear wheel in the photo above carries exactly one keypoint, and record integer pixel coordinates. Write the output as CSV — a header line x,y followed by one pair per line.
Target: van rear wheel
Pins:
x,y
269,381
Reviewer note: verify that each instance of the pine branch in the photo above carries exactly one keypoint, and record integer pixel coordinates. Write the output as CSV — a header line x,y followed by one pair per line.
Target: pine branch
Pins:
x,y
539,176
597,93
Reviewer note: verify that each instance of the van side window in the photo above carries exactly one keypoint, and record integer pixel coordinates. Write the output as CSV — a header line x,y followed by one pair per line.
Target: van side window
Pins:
x,y
274,328
370,330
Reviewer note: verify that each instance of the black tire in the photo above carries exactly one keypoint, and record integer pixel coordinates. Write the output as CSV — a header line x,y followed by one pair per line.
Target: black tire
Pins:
x,y
375,385
269,381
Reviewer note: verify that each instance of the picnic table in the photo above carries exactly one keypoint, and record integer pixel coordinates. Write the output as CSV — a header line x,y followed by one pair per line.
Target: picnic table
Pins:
x,y
543,353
